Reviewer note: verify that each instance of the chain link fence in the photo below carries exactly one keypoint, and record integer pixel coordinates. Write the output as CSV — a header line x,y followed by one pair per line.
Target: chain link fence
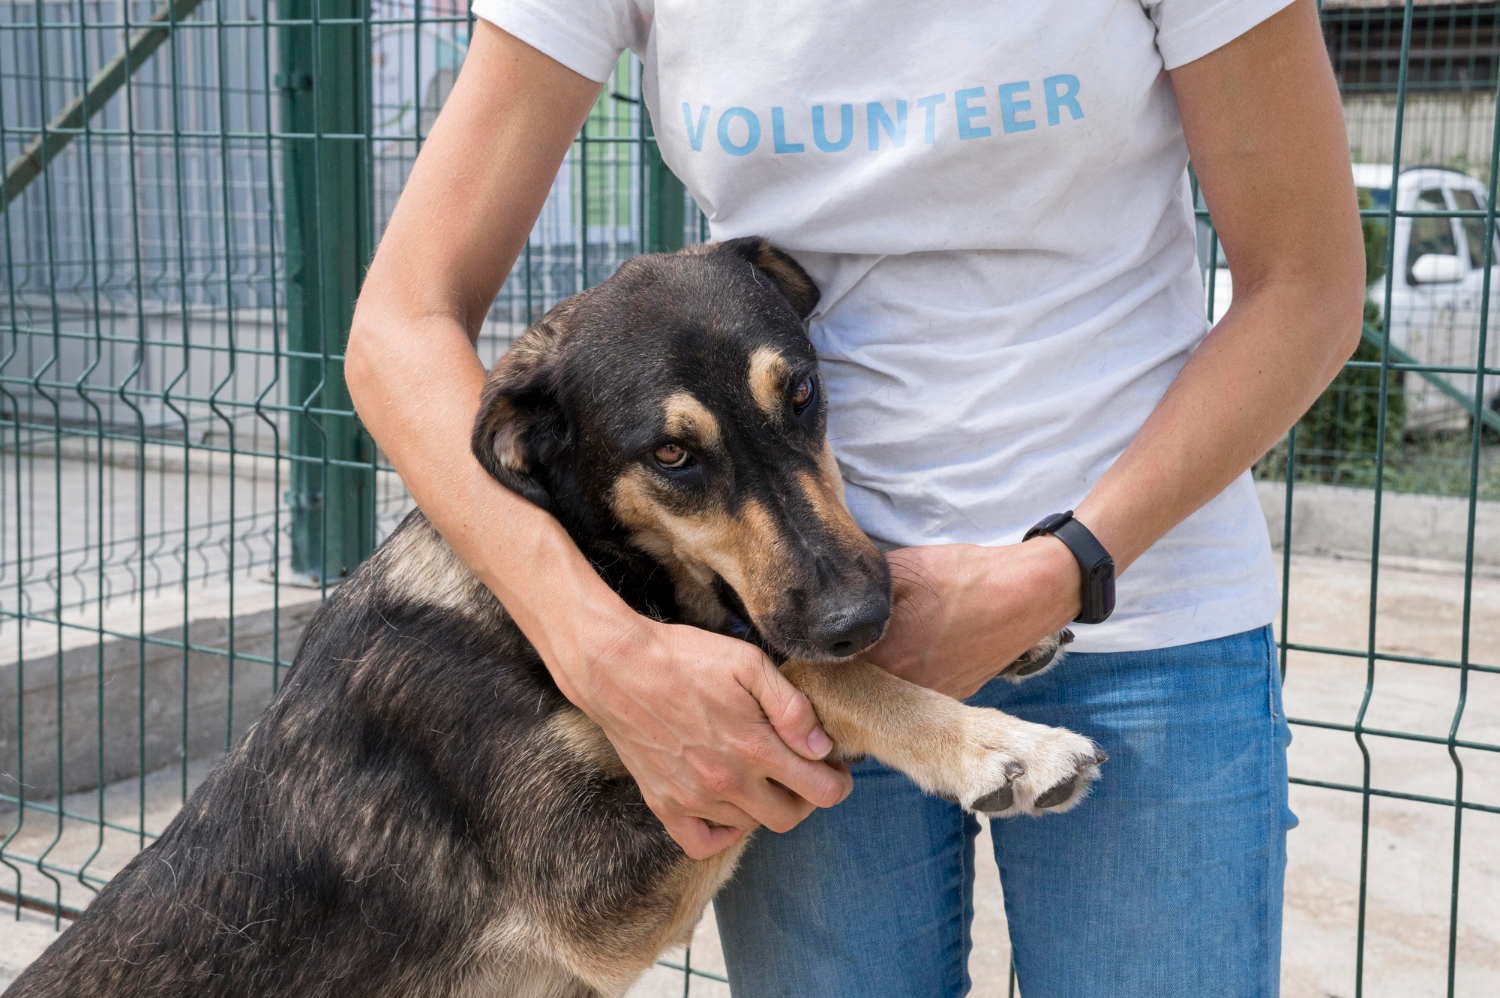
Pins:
x,y
192,189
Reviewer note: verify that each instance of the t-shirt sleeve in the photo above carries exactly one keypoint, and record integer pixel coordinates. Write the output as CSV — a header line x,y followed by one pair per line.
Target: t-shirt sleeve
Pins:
x,y
1190,29
587,36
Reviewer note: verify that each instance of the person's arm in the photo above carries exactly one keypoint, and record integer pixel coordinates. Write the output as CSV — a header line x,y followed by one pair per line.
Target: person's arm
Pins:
x,y
463,218
1266,133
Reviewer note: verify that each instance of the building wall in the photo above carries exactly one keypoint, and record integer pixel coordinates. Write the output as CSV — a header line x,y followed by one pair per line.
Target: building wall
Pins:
x,y
1445,129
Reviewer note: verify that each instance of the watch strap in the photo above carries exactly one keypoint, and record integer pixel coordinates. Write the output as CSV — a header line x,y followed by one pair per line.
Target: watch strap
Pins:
x,y
1094,562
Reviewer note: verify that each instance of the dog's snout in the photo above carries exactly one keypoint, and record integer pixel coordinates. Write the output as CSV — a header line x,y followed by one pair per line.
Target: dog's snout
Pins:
x,y
850,630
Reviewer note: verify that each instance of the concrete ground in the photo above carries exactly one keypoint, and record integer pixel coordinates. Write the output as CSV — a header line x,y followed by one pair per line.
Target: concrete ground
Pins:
x,y
1410,846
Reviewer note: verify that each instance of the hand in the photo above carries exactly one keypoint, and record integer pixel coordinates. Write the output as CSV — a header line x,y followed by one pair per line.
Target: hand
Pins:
x,y
704,724
962,612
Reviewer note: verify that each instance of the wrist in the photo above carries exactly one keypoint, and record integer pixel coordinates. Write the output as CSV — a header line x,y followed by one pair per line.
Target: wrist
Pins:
x,y
570,615
1054,574
601,632
1043,568
1111,526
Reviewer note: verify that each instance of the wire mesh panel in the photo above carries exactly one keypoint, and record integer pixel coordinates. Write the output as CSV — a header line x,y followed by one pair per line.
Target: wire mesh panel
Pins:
x,y
1390,652
192,190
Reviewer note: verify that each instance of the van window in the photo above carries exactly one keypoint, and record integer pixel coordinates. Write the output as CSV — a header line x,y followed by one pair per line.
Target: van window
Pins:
x,y
1433,234
1473,227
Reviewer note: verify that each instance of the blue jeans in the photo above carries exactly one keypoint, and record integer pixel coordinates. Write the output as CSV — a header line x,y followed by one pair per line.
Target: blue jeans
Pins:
x,y
1165,882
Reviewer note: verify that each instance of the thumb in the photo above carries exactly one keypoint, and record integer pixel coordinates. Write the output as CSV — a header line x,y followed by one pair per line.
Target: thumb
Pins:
x,y
788,710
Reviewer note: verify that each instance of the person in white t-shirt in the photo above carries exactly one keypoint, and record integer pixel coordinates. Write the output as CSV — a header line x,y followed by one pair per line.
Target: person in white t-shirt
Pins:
x,y
992,197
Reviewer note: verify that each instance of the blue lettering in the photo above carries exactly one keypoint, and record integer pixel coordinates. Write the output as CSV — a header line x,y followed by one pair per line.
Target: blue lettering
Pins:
x,y
1059,92
846,128
752,124
1009,106
966,114
695,137
929,134
878,119
1057,99
778,133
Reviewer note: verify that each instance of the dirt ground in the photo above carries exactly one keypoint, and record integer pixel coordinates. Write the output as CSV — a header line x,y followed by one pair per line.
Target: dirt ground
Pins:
x,y
1410,847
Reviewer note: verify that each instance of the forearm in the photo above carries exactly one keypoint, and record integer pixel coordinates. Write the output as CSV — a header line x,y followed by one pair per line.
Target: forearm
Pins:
x,y
1265,129
521,553
738,733
462,220
1250,380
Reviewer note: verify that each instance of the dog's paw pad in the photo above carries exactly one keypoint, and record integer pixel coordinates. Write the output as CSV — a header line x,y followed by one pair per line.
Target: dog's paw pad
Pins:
x,y
1070,789
997,801
1016,767
1058,794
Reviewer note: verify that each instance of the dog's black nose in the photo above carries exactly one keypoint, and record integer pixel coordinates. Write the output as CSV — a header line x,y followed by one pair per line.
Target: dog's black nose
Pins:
x,y
850,630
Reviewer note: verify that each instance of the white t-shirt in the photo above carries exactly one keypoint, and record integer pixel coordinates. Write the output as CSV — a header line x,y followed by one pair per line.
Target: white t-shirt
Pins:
x,y
992,197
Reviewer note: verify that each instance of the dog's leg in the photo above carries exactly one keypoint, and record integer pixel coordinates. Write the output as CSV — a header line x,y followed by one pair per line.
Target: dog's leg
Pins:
x,y
983,759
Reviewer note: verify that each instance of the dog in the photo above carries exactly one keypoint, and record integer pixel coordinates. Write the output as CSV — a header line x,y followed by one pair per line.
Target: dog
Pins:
x,y
421,812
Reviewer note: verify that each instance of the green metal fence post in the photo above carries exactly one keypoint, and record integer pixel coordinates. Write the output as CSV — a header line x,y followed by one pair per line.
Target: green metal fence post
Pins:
x,y
666,197
325,88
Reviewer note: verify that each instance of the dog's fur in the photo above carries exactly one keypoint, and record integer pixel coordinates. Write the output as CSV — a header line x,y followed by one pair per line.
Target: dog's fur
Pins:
x,y
421,812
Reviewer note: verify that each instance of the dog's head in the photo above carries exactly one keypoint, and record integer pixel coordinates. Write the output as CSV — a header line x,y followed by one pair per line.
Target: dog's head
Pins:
x,y
676,409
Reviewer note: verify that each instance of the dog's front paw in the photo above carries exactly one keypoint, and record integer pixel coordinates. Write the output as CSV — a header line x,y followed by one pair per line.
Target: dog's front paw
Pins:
x,y
1015,767
1046,653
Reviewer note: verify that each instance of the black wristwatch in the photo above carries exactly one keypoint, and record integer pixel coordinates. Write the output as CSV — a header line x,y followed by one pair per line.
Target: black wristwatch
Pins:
x,y
1097,566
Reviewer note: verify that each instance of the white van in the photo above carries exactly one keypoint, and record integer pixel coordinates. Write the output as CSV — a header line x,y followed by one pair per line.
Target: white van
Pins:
x,y
1437,288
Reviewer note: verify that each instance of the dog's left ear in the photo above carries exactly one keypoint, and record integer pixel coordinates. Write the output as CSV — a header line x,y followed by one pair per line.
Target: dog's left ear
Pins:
x,y
521,428
787,274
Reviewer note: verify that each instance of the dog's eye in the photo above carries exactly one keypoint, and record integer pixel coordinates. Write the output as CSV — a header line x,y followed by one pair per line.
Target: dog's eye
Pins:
x,y
672,457
803,395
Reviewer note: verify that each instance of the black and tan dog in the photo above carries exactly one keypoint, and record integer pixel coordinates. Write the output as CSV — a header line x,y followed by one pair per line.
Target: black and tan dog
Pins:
x,y
421,812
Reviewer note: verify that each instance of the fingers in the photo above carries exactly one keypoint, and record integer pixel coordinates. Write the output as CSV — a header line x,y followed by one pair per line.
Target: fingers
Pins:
x,y
788,710
744,750
802,774
746,806
699,839
767,783
819,784
778,808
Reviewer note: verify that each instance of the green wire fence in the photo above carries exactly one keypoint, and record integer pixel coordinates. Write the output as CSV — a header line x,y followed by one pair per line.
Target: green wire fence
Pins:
x,y
192,190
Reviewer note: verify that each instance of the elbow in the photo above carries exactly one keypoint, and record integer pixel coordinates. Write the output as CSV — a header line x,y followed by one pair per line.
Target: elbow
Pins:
x,y
1348,331
360,368
1348,301
1343,331
1334,298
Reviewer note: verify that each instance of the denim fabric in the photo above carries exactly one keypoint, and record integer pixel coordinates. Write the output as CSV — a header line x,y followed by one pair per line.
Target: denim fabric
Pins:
x,y
1165,882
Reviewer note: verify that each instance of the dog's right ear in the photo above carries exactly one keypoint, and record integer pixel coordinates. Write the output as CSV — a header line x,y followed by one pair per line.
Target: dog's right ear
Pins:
x,y
521,428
